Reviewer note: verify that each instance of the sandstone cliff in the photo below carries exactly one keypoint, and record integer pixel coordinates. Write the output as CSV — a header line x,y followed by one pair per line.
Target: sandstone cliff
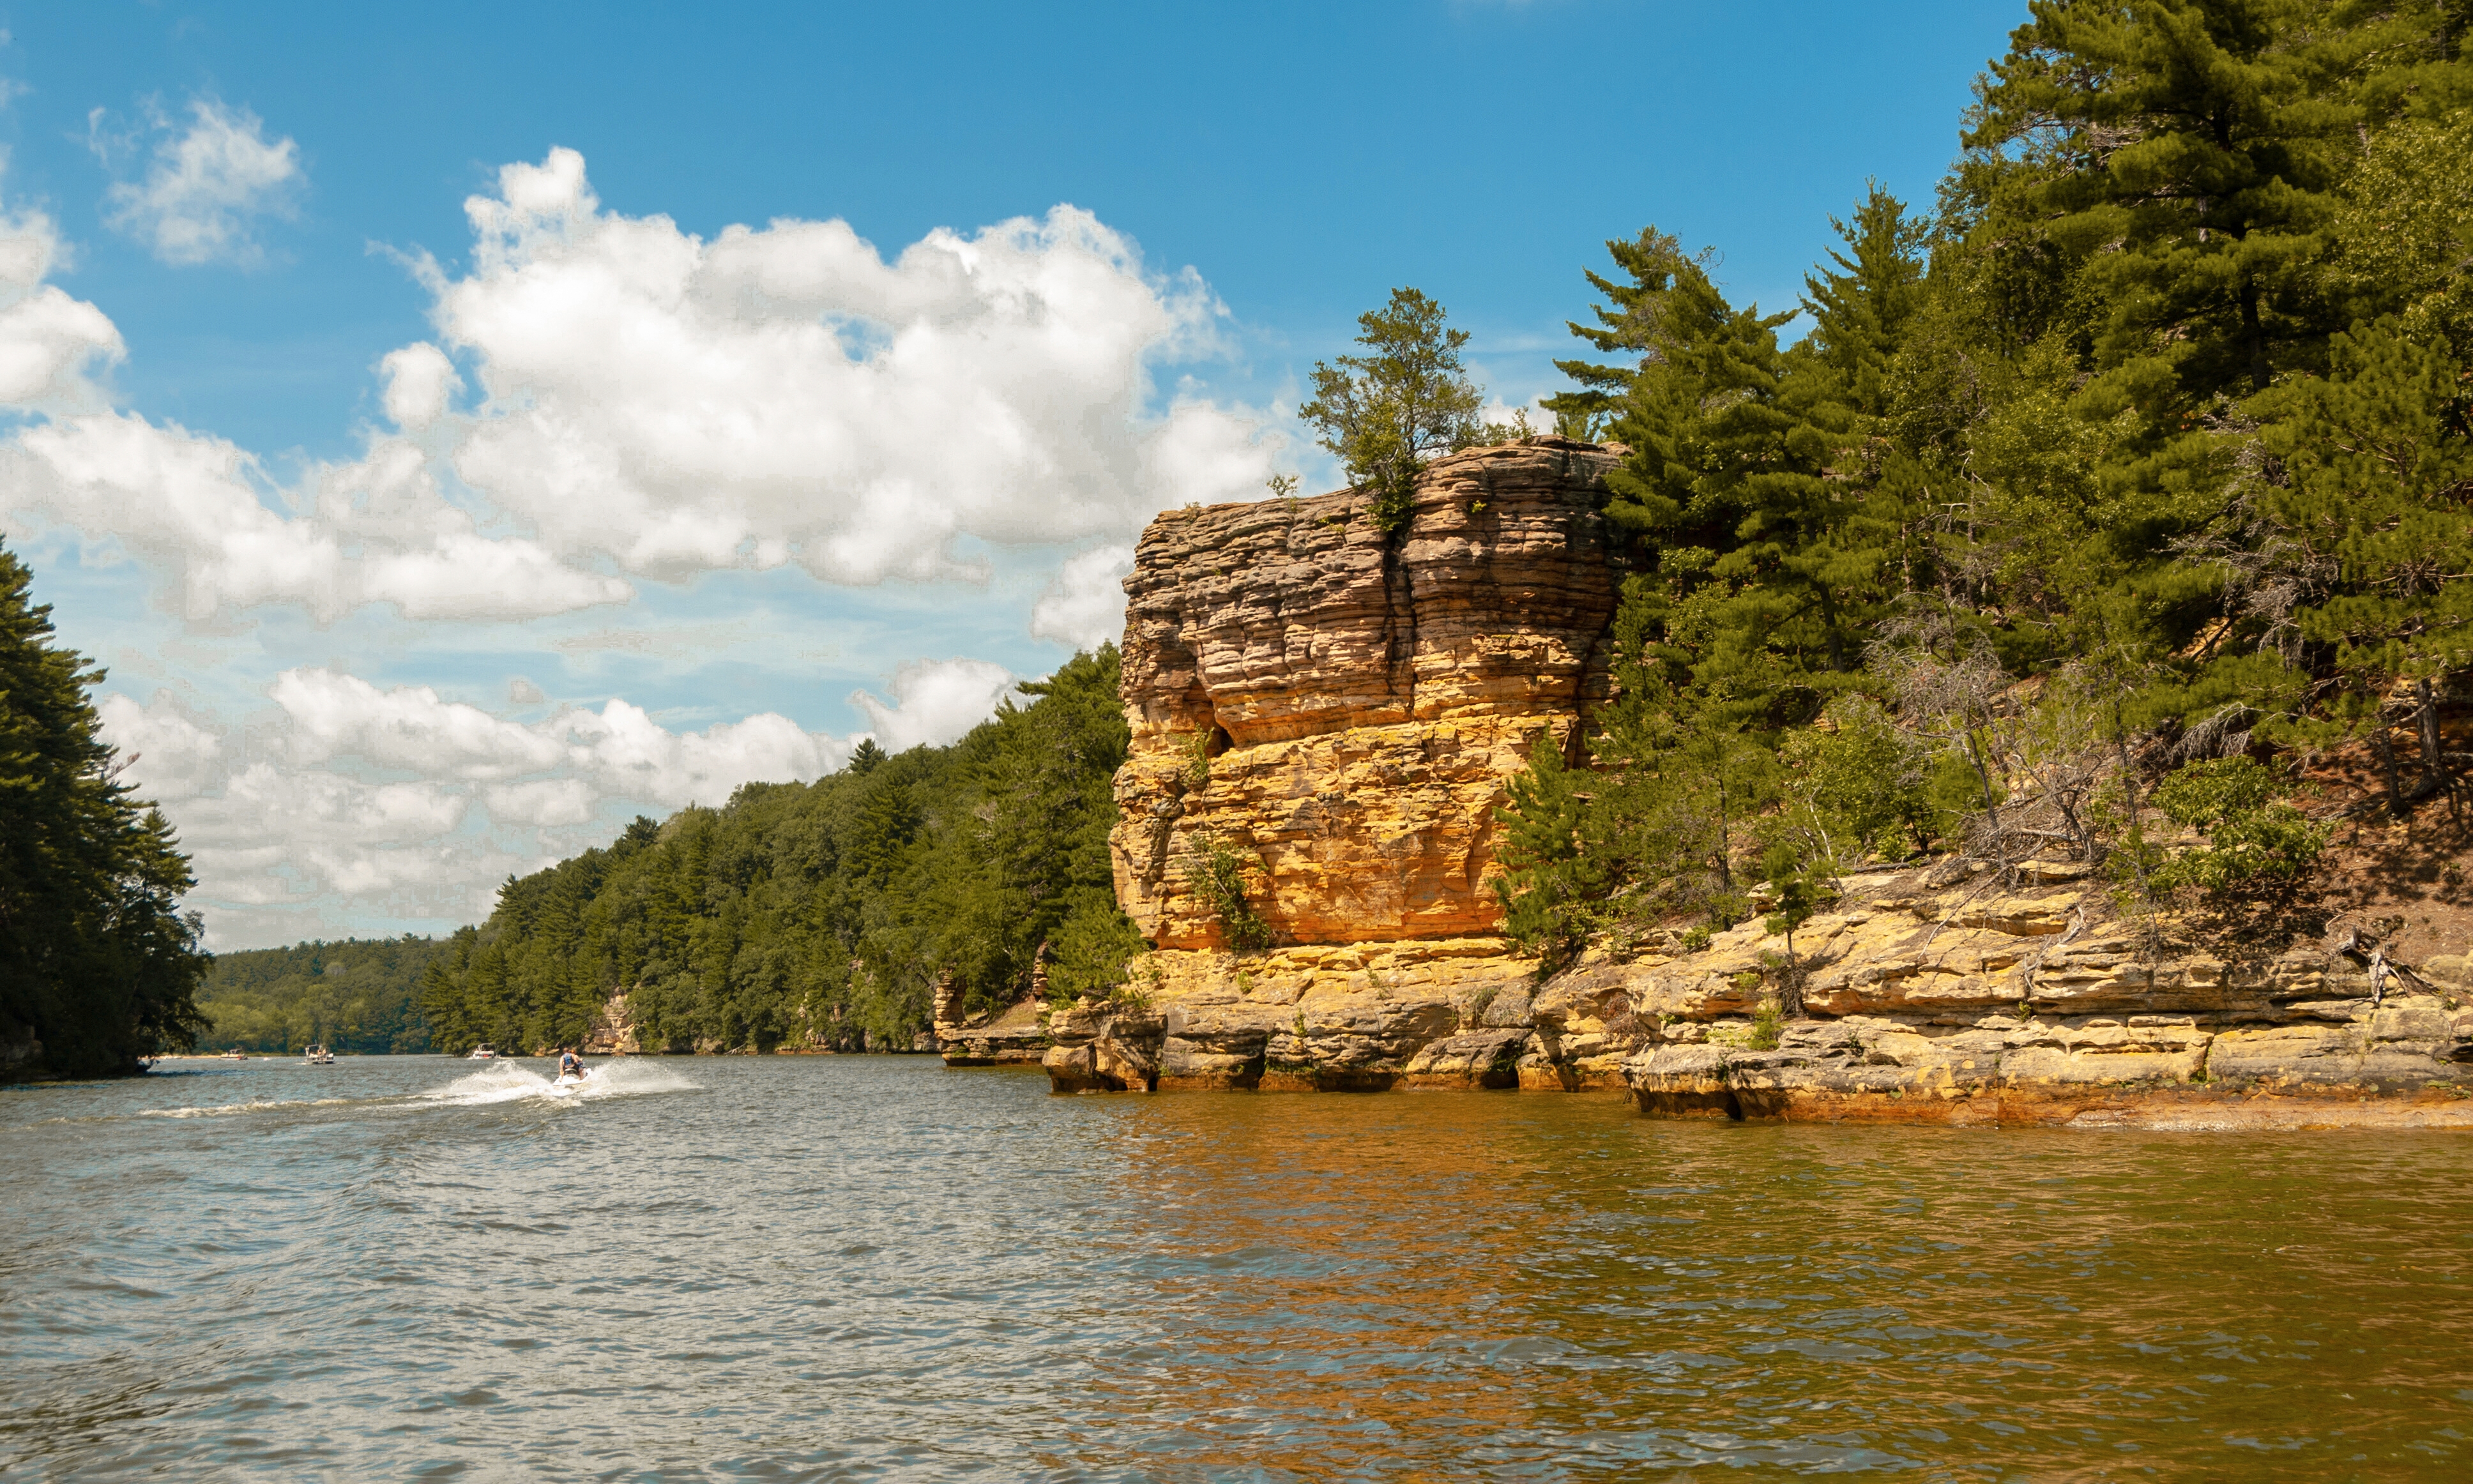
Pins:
x,y
1339,713
1340,709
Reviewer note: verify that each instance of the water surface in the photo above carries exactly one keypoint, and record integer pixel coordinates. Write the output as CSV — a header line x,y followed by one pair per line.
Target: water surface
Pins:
x,y
875,1267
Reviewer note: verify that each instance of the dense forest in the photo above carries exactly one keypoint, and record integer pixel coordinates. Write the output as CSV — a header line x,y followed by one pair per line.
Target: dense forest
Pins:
x,y
822,914
360,997
98,965
2114,489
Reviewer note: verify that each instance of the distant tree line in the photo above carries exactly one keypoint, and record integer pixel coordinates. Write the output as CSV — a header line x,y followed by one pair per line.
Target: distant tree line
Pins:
x,y
359,996
822,914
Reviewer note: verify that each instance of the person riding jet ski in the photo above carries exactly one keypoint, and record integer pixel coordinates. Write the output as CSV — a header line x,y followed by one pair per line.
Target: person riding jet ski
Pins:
x,y
569,1064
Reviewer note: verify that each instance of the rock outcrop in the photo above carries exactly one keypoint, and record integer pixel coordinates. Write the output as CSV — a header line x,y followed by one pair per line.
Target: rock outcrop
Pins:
x,y
2035,1003
613,1034
1015,1035
1339,708
1337,713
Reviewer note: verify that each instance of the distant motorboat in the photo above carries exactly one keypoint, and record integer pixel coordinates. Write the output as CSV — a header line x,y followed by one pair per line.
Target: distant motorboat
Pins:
x,y
235,1054
317,1056
483,1053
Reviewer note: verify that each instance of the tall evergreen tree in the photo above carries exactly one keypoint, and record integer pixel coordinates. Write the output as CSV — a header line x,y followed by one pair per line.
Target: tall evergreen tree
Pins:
x,y
98,967
2185,153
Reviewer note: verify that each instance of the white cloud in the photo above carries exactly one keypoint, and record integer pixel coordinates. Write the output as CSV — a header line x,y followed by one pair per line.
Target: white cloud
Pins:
x,y
620,751
418,378
378,531
783,393
543,802
626,752
352,801
409,727
652,404
170,755
1497,410
47,340
1086,604
934,701
204,187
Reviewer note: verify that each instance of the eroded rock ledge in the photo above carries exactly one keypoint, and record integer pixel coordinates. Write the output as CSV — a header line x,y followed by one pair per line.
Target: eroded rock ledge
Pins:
x,y
1971,1004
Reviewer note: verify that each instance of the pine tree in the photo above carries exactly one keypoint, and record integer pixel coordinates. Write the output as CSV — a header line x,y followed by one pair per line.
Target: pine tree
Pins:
x,y
2373,526
98,967
2185,152
1383,414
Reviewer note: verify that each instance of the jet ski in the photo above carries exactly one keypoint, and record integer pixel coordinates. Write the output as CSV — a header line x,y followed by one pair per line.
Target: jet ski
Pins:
x,y
568,1084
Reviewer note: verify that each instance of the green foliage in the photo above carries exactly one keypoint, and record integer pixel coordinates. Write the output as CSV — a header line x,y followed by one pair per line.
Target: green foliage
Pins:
x,y
2254,840
2157,426
1857,784
1092,950
1768,1021
1799,888
1553,887
2404,233
1384,412
1219,874
357,997
823,913
98,967
2369,534
1196,771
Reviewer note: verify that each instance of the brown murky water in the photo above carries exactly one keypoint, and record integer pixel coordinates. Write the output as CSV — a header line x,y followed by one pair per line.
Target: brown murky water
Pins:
x,y
878,1268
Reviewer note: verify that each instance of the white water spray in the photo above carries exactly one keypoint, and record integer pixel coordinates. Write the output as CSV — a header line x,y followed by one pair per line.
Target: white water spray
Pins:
x,y
505,1082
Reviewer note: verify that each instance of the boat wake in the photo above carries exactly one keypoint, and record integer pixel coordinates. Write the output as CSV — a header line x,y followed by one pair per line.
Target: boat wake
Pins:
x,y
502,1082
257,1105
499,1082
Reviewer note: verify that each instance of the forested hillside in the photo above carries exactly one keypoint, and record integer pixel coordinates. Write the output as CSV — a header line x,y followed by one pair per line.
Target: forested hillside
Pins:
x,y
816,912
358,996
2144,449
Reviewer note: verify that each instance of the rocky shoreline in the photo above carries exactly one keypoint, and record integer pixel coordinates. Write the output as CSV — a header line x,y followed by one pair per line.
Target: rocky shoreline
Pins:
x,y
1961,1005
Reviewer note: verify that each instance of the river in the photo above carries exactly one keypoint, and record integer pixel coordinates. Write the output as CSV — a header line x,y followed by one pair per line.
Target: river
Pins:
x,y
877,1267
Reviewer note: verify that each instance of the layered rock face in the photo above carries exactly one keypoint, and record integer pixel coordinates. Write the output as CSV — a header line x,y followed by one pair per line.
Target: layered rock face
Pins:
x,y
1966,1003
2036,1004
1337,711
1340,709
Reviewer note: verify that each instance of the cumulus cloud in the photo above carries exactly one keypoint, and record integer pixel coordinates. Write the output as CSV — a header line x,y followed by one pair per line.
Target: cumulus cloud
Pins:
x,y
785,394
397,802
652,404
934,701
378,530
419,379
1086,604
159,743
204,187
48,341
618,750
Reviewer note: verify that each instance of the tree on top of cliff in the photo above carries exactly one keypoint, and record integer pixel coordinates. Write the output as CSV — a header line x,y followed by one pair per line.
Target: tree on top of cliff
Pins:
x,y
1384,412
97,965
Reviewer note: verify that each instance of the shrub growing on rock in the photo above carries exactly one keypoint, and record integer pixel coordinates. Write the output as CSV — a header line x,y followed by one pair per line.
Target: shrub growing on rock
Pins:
x,y
2255,841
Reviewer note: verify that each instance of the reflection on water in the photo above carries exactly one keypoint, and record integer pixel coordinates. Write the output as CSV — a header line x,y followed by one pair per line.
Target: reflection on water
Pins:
x,y
877,1267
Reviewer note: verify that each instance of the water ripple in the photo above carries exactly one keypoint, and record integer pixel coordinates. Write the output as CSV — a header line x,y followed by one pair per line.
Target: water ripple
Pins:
x,y
878,1268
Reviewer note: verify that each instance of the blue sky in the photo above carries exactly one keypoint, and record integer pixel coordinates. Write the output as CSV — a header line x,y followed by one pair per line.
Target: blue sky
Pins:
x,y
259,254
